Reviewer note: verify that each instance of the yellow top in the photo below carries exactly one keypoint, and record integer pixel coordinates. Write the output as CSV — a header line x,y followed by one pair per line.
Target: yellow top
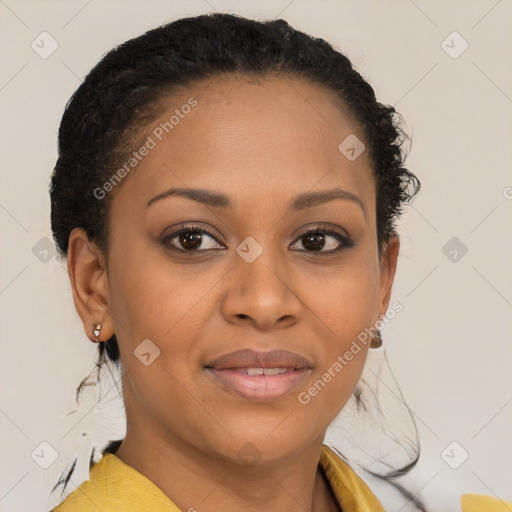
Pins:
x,y
114,486
478,503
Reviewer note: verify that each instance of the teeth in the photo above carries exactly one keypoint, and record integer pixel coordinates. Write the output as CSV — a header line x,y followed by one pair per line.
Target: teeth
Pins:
x,y
266,371
274,371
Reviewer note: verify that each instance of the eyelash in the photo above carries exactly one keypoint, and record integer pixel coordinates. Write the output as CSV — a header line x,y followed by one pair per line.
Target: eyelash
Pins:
x,y
345,241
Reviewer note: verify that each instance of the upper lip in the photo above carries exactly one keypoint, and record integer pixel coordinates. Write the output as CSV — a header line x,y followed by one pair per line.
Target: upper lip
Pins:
x,y
248,358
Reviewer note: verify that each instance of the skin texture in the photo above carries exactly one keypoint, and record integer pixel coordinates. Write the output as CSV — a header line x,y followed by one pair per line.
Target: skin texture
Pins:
x,y
261,143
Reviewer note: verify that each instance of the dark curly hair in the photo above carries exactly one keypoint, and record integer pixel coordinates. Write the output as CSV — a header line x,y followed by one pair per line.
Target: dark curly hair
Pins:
x,y
107,116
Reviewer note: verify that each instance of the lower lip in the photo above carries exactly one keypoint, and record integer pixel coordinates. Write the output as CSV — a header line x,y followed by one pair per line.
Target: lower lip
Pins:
x,y
260,388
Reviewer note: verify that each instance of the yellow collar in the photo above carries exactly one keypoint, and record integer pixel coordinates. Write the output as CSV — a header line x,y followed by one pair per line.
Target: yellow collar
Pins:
x,y
351,492
114,485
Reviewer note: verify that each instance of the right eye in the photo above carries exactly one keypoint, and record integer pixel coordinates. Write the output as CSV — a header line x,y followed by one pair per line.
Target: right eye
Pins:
x,y
191,239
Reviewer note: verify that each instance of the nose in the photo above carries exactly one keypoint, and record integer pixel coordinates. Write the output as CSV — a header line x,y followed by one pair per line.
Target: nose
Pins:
x,y
261,294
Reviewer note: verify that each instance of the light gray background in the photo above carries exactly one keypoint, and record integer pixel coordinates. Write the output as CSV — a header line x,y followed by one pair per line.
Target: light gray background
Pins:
x,y
450,348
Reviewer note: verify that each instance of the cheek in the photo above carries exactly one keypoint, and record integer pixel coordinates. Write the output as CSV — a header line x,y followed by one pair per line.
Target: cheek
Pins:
x,y
327,394
343,301
150,297
343,308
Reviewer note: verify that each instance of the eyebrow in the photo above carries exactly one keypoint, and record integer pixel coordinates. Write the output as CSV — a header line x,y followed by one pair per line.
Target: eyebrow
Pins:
x,y
300,202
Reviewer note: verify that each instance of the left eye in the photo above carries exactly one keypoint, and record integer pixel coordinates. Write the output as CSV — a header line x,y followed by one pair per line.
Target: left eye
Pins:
x,y
323,240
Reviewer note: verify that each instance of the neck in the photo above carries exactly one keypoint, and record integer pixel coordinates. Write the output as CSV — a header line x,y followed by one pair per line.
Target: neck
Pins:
x,y
195,480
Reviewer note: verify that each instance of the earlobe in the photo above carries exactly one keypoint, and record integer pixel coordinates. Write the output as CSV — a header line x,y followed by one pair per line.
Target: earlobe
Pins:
x,y
89,283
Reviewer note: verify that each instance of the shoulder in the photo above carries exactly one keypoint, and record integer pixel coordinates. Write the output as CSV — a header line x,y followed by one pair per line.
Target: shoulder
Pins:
x,y
478,503
114,485
350,490
94,490
348,487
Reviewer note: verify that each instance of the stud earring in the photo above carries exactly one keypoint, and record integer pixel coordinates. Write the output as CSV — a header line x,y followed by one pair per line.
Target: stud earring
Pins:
x,y
96,330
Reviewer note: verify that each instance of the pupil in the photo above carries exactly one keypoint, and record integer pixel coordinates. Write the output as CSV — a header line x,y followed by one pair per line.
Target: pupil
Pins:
x,y
315,241
190,240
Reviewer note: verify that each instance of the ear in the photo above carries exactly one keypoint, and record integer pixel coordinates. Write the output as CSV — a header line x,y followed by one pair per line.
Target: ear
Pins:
x,y
89,282
388,265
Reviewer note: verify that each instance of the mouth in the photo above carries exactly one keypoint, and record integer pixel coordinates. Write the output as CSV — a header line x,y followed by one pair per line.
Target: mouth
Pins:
x,y
260,376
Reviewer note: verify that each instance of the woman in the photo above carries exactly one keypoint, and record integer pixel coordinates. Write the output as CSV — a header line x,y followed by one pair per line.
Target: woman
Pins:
x,y
226,195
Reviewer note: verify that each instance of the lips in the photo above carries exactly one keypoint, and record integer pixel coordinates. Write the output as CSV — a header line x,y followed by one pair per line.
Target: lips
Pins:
x,y
253,359
260,376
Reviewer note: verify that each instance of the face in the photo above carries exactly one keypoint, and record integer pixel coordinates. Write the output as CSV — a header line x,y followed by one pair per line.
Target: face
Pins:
x,y
266,264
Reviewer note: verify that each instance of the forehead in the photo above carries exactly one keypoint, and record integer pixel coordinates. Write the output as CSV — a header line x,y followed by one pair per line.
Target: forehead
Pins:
x,y
252,137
